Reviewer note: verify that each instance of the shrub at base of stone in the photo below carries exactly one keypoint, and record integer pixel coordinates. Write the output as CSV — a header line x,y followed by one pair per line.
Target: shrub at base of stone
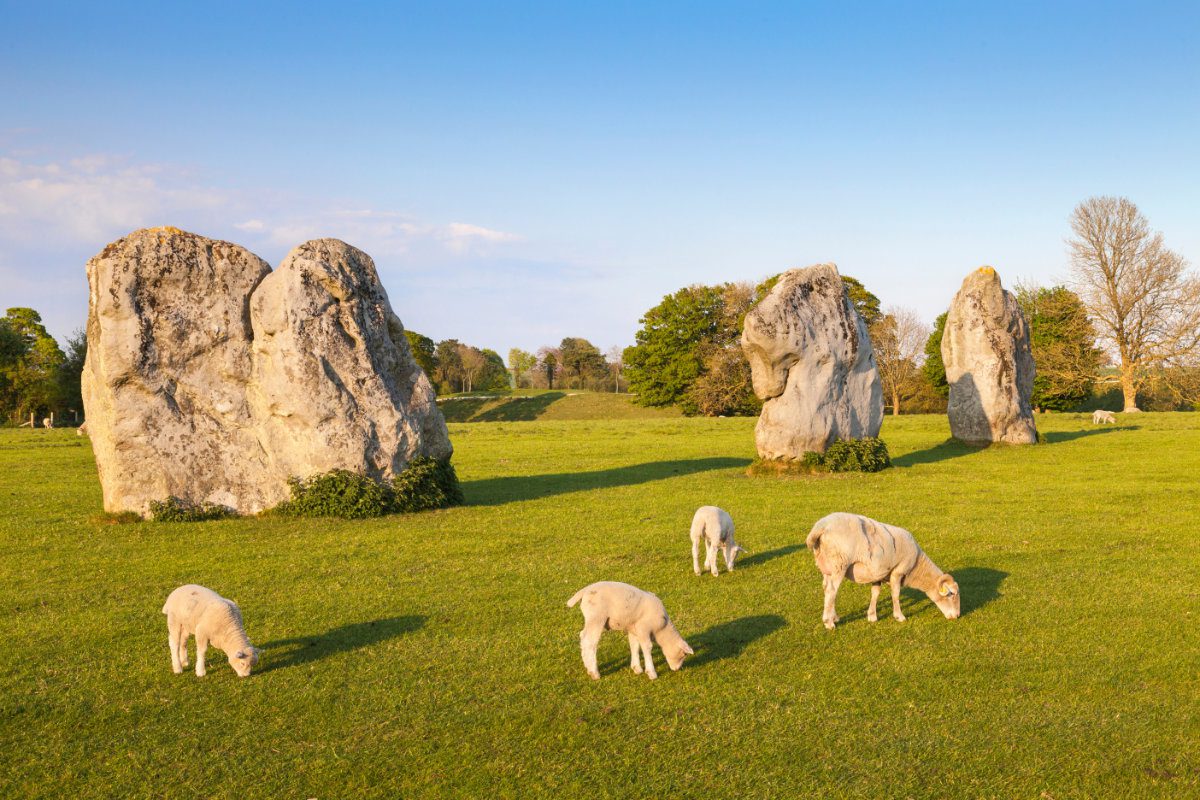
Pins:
x,y
425,484
173,509
844,455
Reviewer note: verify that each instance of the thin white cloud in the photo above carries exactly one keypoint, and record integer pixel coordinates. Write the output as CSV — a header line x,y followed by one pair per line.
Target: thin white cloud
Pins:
x,y
251,225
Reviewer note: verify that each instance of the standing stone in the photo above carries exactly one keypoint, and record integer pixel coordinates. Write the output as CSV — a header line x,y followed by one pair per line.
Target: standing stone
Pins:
x,y
212,379
335,383
812,364
989,365
168,360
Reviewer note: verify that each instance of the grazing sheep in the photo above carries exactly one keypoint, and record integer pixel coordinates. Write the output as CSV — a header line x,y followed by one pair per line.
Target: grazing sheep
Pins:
x,y
1100,417
81,430
609,605
193,609
715,527
47,423
871,552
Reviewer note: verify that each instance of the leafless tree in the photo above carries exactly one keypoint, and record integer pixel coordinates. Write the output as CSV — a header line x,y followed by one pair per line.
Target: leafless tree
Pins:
x,y
898,338
1144,302
616,361
473,362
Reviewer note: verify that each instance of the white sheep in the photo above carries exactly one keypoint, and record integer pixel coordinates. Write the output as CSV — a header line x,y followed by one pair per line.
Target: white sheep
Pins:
x,y
193,609
1100,417
715,527
871,552
47,423
609,605
81,430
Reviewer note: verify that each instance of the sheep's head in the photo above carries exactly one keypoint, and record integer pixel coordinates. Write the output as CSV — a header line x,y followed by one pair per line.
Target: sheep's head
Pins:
x,y
946,596
674,647
243,661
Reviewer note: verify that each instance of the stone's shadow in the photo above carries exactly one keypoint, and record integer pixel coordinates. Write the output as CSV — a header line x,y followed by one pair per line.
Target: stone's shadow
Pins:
x,y
729,639
306,649
520,409
1055,437
768,555
951,448
498,491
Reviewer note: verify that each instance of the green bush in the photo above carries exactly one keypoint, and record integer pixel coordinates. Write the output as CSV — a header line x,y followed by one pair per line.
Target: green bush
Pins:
x,y
425,484
855,455
175,509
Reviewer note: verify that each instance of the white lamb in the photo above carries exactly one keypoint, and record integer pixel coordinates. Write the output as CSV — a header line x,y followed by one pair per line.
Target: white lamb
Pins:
x,y
871,552
193,609
715,527
609,605
1100,417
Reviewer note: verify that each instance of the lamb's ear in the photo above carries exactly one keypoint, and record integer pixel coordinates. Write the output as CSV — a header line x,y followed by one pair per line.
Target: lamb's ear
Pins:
x,y
945,585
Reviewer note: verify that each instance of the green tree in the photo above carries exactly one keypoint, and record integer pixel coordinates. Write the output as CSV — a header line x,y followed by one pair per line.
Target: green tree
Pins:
x,y
934,368
866,303
520,362
32,378
12,350
448,371
1063,341
581,361
70,373
494,376
668,355
424,351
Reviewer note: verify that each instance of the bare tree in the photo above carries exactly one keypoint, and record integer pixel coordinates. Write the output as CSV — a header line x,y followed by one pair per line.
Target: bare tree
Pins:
x,y
473,362
898,338
1145,304
616,361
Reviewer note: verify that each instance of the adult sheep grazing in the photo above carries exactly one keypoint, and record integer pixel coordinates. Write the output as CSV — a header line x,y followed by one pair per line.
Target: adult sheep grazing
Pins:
x,y
715,527
609,605
1101,417
195,610
871,552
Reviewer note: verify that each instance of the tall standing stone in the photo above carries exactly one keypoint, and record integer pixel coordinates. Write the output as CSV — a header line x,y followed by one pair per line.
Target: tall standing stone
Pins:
x,y
812,364
989,365
213,379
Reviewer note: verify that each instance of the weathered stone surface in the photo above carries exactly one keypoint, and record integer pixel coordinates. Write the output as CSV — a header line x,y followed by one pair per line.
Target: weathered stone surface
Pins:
x,y
183,401
989,365
335,383
812,364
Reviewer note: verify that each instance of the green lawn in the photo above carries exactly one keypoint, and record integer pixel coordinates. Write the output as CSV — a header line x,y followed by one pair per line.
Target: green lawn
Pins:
x,y
527,405
433,655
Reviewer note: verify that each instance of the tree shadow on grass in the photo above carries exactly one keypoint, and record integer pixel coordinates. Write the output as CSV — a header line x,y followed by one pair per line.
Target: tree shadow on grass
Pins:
x,y
729,639
283,653
768,555
454,410
498,491
1055,437
520,409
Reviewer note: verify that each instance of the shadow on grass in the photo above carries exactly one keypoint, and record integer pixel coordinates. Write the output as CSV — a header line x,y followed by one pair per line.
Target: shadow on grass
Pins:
x,y
497,491
283,653
977,585
461,410
951,448
729,639
1055,437
520,409
769,555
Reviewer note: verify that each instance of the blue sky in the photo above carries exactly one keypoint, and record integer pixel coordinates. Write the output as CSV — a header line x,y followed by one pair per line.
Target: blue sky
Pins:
x,y
525,172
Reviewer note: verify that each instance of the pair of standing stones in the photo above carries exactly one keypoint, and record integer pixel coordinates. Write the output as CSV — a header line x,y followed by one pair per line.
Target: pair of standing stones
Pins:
x,y
813,367
212,378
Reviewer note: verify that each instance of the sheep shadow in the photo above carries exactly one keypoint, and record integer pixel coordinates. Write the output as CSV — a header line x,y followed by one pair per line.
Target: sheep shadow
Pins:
x,y
346,638
977,586
768,555
512,489
1057,437
729,639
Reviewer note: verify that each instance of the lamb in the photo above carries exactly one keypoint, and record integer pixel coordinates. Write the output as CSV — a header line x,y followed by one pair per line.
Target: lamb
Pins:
x,y
715,527
193,609
609,605
1100,417
871,552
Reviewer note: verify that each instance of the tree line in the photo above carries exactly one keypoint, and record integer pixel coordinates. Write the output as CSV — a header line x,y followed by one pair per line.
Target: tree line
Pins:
x,y
37,377
1130,302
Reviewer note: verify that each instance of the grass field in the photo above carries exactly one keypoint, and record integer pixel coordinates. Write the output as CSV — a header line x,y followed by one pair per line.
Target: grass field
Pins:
x,y
433,655
527,405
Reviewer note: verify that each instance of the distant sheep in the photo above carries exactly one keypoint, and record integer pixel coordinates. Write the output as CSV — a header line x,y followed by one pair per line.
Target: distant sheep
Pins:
x,y
609,605
47,423
81,430
1100,417
871,552
193,609
715,527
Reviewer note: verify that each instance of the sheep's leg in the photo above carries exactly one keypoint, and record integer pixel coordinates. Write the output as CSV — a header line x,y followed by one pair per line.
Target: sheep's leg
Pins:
x,y
872,614
730,552
648,654
183,639
173,632
896,612
696,554
710,563
633,651
589,640
201,647
832,582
